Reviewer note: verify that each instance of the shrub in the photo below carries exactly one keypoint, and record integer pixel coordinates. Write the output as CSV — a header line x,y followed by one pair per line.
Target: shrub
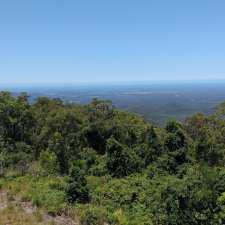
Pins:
x,y
49,163
121,161
99,168
77,190
93,216
119,218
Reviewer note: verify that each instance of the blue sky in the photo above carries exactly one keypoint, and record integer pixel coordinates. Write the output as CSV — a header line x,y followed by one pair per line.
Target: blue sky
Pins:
x,y
73,41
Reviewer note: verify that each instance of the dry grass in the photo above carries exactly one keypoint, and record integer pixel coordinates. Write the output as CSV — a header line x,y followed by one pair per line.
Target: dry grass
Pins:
x,y
11,213
15,215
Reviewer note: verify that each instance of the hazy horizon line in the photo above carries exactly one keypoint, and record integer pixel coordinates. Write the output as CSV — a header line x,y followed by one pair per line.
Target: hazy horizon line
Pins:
x,y
116,82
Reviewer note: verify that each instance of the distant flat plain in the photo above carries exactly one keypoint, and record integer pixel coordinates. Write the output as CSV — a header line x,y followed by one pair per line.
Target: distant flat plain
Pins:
x,y
157,102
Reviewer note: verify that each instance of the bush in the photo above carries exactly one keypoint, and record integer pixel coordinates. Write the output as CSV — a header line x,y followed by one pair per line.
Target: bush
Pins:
x,y
89,155
19,161
49,163
77,190
93,216
99,168
121,161
119,218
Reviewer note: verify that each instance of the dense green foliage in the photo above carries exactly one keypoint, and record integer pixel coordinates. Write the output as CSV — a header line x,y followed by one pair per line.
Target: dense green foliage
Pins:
x,y
77,190
113,166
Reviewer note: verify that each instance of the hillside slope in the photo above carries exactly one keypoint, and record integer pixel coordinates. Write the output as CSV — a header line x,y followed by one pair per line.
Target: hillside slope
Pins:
x,y
97,165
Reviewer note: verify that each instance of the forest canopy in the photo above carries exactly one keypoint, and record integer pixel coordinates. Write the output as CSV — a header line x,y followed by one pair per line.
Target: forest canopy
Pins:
x,y
114,165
